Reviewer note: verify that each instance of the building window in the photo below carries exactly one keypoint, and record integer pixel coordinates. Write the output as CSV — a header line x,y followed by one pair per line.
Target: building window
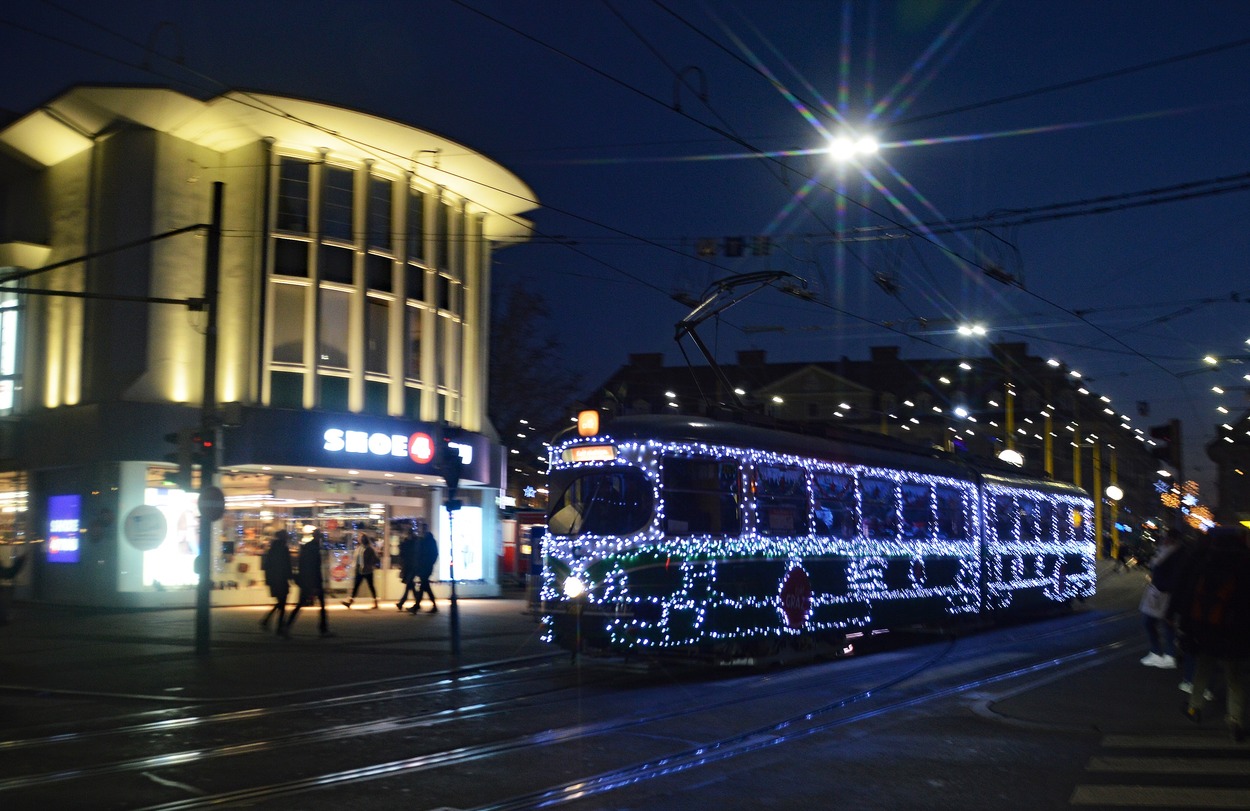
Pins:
x,y
377,328
288,323
336,204
412,361
290,258
334,314
416,283
293,195
380,229
360,243
442,218
416,225
286,390
378,273
336,265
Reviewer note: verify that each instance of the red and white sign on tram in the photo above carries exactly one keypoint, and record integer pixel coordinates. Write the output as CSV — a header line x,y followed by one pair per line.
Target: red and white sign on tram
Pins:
x,y
795,597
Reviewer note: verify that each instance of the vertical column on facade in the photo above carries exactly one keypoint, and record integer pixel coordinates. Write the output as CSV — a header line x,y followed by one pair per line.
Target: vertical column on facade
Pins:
x,y
312,303
397,330
356,322
429,315
476,326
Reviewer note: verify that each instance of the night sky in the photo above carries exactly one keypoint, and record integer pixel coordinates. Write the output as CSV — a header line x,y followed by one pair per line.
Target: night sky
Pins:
x,y
1091,153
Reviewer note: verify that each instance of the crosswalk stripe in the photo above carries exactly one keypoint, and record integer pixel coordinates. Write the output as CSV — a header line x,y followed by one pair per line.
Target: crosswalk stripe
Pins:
x,y
1160,797
1215,740
1170,765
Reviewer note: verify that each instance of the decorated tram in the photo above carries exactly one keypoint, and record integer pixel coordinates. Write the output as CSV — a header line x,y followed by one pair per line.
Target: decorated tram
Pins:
x,y
730,542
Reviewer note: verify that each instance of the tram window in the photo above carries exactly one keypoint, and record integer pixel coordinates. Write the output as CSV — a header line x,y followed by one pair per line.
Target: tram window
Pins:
x,y
1046,521
782,501
835,505
607,501
951,525
1029,530
917,512
1004,517
880,510
700,496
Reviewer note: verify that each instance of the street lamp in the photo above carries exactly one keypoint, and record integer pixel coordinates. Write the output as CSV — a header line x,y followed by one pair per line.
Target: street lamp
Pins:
x,y
845,148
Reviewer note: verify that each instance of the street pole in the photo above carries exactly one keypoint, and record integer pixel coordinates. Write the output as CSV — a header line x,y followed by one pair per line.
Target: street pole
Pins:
x,y
451,570
208,419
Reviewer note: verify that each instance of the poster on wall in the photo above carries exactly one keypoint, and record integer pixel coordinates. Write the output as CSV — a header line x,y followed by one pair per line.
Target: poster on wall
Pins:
x,y
171,562
64,528
465,544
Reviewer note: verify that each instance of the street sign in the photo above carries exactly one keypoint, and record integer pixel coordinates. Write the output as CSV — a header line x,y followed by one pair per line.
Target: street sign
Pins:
x,y
212,503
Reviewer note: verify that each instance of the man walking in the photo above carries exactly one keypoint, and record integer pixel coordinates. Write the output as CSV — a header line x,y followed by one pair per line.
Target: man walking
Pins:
x,y
427,556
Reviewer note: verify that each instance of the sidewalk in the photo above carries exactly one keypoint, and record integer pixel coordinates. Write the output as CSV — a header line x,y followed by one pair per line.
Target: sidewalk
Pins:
x,y
152,653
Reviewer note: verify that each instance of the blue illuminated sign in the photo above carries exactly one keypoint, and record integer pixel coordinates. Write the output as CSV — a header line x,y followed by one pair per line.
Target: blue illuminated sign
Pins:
x,y
64,525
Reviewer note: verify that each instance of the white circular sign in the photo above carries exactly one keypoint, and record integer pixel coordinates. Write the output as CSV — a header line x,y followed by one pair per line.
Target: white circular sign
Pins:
x,y
145,528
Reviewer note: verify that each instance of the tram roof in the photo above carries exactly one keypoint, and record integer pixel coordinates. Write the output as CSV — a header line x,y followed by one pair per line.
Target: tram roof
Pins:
x,y
838,444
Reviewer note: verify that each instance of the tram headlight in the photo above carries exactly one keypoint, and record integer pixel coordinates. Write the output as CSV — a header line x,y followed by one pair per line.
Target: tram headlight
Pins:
x,y
573,587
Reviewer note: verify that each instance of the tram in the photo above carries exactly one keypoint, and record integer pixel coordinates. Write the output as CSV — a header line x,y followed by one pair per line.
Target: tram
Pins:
x,y
728,542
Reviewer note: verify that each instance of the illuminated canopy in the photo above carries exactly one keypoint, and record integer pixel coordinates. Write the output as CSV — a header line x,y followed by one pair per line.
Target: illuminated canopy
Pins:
x,y
68,124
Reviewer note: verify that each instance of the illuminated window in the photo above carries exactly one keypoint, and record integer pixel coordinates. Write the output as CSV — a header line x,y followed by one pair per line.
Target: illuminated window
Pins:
x,y
835,513
781,500
10,336
880,509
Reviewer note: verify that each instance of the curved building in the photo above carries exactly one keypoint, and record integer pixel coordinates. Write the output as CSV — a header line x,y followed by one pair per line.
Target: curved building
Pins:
x,y
351,339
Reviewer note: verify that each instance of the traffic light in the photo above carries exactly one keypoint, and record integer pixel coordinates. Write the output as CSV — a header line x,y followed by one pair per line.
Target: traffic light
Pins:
x,y
451,466
202,447
194,446
183,456
1168,448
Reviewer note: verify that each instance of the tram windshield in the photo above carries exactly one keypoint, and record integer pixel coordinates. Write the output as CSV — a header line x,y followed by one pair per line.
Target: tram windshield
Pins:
x,y
604,501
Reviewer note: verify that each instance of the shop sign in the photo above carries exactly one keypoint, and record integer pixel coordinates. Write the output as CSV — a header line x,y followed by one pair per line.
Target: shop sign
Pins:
x,y
419,447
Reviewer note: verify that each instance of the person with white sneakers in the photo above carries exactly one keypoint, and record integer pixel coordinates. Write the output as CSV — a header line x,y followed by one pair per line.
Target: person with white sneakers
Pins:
x,y
1154,605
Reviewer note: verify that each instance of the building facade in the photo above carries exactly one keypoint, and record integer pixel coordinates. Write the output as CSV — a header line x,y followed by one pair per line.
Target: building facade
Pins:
x,y
352,332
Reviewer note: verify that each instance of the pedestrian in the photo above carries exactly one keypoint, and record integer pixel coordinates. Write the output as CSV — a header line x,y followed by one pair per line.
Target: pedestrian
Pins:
x,y
311,581
1154,604
8,573
1213,606
407,566
427,555
1189,549
365,560
276,564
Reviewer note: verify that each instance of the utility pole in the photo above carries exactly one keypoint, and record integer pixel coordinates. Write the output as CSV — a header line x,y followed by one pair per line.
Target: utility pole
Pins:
x,y
209,494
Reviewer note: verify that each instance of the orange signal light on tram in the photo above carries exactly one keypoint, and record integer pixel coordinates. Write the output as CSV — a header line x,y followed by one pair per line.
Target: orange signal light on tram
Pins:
x,y
588,423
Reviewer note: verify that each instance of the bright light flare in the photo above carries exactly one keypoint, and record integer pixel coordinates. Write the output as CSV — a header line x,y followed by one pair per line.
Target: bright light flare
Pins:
x,y
843,148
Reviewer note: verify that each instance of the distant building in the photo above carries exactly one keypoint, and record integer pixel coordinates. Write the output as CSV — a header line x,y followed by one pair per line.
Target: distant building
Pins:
x,y
1230,450
353,312
978,406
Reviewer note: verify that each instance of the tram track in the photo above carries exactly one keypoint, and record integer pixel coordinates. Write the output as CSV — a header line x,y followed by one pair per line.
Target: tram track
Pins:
x,y
887,676
785,730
